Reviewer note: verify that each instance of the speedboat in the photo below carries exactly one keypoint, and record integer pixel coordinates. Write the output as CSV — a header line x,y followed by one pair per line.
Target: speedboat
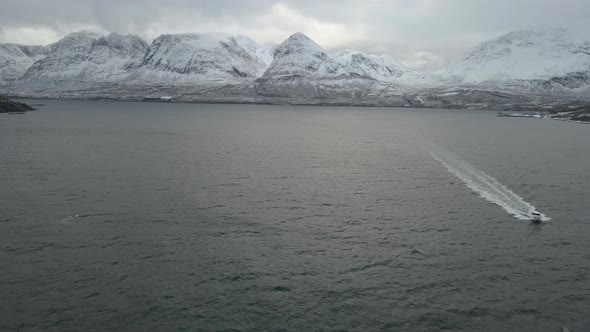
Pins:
x,y
536,217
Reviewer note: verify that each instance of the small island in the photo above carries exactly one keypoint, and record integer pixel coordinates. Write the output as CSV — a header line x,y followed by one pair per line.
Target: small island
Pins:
x,y
9,106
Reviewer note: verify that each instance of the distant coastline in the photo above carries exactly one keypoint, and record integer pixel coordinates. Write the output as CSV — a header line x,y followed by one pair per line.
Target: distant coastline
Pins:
x,y
576,114
226,69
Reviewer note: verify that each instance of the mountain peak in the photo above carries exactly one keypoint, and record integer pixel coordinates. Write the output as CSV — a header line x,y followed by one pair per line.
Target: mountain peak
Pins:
x,y
533,37
297,43
529,33
299,56
84,34
300,38
299,35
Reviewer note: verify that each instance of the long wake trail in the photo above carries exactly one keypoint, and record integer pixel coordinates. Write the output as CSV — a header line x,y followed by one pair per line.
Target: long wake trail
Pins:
x,y
486,186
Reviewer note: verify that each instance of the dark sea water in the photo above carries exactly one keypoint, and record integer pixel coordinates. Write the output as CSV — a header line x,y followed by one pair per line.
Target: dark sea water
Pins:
x,y
149,216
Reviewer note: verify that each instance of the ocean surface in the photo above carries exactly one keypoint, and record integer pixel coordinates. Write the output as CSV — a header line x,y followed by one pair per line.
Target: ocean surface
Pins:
x,y
187,217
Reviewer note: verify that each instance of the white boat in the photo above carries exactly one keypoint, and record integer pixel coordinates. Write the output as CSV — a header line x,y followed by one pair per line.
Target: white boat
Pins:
x,y
536,217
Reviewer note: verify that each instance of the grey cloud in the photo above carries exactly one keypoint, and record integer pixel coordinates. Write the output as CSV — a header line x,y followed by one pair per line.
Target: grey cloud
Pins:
x,y
421,33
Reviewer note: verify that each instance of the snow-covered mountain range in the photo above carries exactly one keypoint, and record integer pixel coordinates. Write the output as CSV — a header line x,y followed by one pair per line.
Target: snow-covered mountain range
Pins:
x,y
196,57
213,66
85,56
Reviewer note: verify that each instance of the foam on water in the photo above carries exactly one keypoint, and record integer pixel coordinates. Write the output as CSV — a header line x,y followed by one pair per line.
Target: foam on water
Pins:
x,y
486,186
70,218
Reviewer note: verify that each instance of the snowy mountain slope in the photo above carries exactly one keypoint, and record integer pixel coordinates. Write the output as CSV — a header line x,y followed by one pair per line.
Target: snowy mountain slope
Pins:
x,y
196,57
517,68
525,55
265,54
16,59
86,56
385,68
379,67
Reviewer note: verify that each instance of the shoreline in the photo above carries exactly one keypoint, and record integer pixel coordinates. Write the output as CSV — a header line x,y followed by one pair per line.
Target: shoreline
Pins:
x,y
270,103
230,102
568,120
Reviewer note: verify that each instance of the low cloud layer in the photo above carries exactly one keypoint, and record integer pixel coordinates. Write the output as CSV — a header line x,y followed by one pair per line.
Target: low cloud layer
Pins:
x,y
423,34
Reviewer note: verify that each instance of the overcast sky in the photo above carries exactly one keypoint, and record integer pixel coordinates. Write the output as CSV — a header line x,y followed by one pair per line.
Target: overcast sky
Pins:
x,y
422,34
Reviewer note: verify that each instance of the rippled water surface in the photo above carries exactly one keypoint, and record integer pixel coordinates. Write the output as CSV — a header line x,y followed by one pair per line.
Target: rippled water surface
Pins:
x,y
148,216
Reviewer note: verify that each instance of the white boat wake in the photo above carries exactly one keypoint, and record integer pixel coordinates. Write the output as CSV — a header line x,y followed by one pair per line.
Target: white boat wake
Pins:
x,y
487,186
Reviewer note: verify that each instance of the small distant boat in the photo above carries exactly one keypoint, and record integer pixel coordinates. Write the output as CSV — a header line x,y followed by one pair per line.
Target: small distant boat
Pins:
x,y
520,115
164,99
536,217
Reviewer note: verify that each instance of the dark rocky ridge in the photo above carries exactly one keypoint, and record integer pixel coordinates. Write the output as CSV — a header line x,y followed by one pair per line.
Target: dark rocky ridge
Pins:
x,y
572,112
9,106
